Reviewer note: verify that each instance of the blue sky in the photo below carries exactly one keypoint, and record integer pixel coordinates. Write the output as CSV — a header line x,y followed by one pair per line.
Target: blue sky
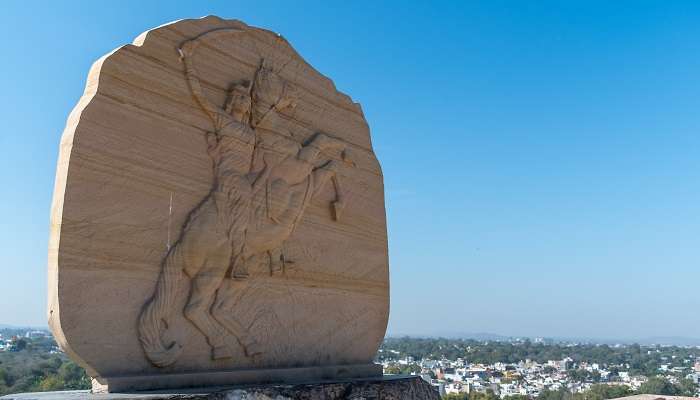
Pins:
x,y
541,159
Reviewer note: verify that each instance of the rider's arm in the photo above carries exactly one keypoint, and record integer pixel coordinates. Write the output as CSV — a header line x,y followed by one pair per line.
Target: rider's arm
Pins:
x,y
212,110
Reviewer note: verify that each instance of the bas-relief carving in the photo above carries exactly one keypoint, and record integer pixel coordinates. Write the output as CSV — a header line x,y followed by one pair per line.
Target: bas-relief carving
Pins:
x,y
261,280
263,181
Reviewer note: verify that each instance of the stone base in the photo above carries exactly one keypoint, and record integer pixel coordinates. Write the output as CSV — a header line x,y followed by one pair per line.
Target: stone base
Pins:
x,y
385,388
115,384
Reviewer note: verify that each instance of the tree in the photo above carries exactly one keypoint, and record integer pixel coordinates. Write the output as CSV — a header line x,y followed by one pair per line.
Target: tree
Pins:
x,y
5,378
577,375
603,392
392,370
411,369
488,395
73,377
561,394
49,383
687,388
20,345
659,385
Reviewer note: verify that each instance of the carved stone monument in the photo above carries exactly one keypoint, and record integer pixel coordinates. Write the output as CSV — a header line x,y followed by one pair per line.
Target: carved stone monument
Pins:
x,y
218,217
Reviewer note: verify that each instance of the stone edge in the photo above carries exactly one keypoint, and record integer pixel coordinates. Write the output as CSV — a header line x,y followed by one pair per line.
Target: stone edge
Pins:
x,y
117,384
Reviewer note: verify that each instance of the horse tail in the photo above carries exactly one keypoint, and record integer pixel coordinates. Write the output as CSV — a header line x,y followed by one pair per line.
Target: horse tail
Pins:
x,y
155,315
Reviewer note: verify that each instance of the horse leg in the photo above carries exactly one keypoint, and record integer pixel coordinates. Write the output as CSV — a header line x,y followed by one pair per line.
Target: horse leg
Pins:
x,y
221,312
319,143
204,287
276,260
321,176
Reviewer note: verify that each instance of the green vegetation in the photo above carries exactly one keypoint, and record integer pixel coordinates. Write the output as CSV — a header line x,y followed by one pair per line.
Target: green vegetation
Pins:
x,y
596,392
581,375
30,367
489,395
658,386
403,369
655,385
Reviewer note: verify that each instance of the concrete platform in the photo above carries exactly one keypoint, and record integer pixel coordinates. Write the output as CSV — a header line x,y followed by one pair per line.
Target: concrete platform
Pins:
x,y
121,384
392,387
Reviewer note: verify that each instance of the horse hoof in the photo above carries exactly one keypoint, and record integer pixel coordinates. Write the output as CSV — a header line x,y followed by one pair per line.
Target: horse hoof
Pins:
x,y
338,207
253,349
276,267
220,352
240,277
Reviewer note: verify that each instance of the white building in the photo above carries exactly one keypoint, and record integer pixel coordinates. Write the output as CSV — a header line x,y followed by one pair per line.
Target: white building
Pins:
x,y
695,378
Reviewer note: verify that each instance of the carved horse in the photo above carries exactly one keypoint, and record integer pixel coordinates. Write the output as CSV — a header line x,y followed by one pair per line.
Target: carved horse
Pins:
x,y
230,227
290,182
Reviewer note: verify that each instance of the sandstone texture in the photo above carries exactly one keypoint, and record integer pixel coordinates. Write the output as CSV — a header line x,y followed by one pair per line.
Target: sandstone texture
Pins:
x,y
218,209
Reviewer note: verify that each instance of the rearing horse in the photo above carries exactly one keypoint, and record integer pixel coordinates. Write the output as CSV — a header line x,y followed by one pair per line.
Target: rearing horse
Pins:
x,y
244,215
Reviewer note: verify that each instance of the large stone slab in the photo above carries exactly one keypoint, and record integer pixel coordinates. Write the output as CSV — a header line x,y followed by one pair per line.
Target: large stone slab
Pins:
x,y
218,209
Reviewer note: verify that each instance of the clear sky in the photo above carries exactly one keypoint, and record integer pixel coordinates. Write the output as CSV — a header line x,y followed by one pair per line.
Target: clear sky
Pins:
x,y
541,159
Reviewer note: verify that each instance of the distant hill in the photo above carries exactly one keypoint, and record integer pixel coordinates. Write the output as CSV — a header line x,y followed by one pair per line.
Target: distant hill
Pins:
x,y
481,336
486,336
658,340
673,341
41,328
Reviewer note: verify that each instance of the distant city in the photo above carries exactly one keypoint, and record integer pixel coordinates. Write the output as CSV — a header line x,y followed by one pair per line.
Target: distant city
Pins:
x,y
501,368
547,366
486,336
15,339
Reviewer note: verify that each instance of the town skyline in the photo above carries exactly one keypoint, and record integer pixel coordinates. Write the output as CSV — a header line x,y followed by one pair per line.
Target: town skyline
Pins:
x,y
684,341
543,369
517,369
